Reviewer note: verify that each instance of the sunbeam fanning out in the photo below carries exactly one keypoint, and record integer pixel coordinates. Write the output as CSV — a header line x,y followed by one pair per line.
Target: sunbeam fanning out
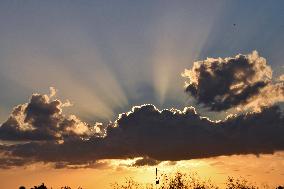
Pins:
x,y
174,50
98,94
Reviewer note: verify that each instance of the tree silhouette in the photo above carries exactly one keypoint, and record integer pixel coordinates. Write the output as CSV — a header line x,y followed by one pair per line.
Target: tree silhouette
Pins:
x,y
239,183
178,180
42,186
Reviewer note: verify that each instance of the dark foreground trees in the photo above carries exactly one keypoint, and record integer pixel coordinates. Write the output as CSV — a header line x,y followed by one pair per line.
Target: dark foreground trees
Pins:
x,y
42,186
189,181
179,181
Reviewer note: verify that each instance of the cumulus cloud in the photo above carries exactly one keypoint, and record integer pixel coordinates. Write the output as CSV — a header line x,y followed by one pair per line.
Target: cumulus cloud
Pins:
x,y
242,82
42,119
167,135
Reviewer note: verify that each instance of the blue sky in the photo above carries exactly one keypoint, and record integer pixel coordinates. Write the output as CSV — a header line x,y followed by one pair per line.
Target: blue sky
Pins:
x,y
106,56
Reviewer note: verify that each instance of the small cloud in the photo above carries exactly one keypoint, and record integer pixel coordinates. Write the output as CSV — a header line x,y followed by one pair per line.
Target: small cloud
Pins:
x,y
42,119
53,92
146,161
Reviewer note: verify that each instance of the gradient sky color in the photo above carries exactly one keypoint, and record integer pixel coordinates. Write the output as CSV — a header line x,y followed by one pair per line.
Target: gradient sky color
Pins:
x,y
108,56
89,48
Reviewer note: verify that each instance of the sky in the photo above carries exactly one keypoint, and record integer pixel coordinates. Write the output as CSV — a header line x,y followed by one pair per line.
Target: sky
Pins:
x,y
91,89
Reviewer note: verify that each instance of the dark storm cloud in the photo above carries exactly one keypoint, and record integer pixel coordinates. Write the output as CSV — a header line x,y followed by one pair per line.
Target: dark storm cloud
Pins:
x,y
176,135
163,135
42,119
244,81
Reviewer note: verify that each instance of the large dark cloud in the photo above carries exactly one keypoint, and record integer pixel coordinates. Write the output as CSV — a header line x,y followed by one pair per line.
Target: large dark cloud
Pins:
x,y
161,135
244,82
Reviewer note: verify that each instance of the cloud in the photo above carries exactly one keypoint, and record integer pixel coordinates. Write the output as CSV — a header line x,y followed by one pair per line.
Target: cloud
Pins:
x,y
78,165
146,161
42,119
167,135
242,82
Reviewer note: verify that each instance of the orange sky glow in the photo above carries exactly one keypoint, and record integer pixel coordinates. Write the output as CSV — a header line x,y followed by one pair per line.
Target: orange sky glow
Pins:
x,y
264,169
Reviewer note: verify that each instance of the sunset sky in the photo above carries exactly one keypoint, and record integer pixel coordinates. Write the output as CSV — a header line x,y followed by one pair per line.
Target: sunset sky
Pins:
x,y
93,92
